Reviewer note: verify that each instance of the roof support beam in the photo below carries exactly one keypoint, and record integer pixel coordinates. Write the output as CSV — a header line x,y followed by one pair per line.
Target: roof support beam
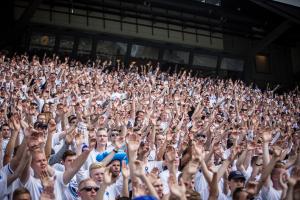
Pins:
x,y
27,14
267,5
284,26
21,23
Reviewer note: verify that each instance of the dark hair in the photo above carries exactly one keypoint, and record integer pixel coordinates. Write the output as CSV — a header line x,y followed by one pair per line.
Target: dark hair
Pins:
x,y
20,191
68,153
40,125
192,195
4,125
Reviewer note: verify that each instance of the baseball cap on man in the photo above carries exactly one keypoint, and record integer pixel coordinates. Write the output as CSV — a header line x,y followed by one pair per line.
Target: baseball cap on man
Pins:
x,y
236,175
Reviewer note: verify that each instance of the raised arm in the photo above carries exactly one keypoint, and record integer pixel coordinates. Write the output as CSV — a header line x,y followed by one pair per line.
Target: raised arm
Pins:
x,y
226,163
70,173
107,181
139,171
51,131
20,169
12,142
278,154
125,174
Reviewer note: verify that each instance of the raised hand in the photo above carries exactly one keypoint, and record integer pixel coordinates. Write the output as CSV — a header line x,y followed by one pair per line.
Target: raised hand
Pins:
x,y
52,126
192,167
35,140
170,154
48,186
266,135
107,176
175,189
125,171
139,170
92,143
295,177
282,177
69,138
279,153
78,139
133,143
234,152
198,152
16,123
137,188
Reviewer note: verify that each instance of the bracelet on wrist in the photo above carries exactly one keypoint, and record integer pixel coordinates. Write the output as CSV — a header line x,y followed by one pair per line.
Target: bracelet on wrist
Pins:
x,y
115,150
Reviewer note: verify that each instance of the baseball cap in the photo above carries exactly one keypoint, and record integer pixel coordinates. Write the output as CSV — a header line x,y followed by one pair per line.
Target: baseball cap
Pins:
x,y
236,175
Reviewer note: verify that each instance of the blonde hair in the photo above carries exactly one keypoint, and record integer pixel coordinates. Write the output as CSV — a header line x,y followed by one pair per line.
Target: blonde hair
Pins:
x,y
95,166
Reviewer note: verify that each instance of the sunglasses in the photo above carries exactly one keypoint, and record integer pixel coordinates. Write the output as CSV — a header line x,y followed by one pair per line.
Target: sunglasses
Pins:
x,y
90,188
200,136
43,127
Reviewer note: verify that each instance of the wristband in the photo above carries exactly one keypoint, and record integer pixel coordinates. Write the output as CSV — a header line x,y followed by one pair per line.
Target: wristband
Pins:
x,y
115,150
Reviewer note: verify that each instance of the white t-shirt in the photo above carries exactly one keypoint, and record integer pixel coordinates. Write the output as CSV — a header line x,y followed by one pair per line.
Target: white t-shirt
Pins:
x,y
4,145
114,190
201,185
152,164
35,187
152,155
110,192
270,193
164,176
70,190
3,185
11,188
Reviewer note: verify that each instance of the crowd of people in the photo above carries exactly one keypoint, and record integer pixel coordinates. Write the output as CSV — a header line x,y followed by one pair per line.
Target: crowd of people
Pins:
x,y
97,131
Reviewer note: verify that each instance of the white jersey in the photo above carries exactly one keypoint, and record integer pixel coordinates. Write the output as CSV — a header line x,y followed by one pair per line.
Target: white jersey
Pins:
x,y
164,176
34,185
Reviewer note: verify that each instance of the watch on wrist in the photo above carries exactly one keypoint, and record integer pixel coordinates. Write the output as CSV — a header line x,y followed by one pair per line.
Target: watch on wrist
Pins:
x,y
115,150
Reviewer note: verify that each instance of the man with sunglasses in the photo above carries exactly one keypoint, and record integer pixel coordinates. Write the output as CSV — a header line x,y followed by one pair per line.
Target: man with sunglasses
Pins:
x,y
87,189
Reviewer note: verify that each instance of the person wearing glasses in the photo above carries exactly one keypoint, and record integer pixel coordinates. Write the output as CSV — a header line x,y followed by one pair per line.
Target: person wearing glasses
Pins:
x,y
101,147
87,189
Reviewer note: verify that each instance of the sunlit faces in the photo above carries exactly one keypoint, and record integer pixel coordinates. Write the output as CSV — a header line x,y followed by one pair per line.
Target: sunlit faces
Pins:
x,y
114,136
101,137
41,118
97,175
200,138
164,116
39,162
101,120
159,139
46,108
68,161
236,183
115,168
87,189
158,186
5,130
140,116
144,149
277,172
